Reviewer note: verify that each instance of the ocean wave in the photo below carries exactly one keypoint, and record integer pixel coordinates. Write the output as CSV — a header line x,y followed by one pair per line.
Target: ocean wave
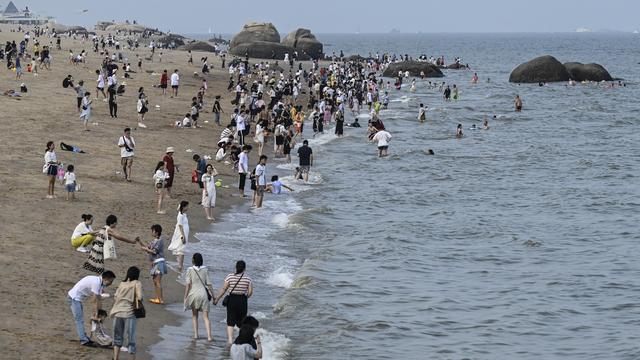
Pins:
x,y
282,277
274,346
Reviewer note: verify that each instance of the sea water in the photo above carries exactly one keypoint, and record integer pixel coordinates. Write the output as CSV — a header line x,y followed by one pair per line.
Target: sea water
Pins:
x,y
518,242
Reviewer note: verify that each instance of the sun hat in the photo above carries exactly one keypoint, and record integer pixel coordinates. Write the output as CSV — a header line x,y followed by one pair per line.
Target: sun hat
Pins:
x,y
170,150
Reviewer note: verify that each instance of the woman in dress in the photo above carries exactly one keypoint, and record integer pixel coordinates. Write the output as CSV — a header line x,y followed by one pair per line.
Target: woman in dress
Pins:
x,y
240,289
125,301
85,115
209,190
95,262
50,167
196,294
141,106
180,234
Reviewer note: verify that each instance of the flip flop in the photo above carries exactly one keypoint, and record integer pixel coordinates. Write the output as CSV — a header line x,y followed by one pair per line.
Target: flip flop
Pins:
x,y
156,301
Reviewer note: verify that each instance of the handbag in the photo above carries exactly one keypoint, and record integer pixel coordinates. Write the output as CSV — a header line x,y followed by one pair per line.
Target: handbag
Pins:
x,y
209,297
225,301
138,307
109,247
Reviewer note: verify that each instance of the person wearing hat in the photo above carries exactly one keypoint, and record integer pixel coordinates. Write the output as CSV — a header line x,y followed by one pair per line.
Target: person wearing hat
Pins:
x,y
170,168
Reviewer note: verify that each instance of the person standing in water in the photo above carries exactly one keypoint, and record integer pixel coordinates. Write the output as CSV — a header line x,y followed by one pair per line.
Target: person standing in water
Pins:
x,y
261,180
485,124
447,93
459,131
382,137
422,113
518,103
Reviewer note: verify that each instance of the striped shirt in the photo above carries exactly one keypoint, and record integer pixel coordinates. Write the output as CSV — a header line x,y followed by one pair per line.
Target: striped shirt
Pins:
x,y
243,284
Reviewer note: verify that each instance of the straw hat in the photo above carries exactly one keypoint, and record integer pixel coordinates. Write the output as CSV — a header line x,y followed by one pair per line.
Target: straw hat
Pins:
x,y
170,150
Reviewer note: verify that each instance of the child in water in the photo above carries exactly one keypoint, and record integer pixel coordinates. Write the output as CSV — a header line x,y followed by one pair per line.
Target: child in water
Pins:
x,y
276,186
459,131
422,113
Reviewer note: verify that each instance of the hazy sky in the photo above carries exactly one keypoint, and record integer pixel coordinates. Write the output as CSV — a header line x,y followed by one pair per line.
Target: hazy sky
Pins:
x,y
340,16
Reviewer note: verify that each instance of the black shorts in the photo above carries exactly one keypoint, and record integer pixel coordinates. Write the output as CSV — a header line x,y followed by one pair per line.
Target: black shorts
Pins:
x,y
383,147
163,86
253,185
243,180
174,86
236,310
52,170
279,140
201,184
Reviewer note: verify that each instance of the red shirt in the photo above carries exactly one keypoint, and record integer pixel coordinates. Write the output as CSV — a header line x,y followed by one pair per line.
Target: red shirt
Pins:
x,y
164,79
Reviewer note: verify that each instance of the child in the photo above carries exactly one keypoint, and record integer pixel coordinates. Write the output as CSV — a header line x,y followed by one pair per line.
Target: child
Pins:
x,y
155,249
186,122
70,182
276,186
98,332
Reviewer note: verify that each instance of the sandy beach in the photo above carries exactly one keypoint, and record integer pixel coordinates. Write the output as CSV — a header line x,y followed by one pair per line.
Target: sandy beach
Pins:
x,y
39,265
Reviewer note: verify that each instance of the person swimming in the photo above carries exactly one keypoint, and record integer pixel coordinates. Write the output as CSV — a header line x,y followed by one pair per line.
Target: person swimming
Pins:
x,y
485,124
459,131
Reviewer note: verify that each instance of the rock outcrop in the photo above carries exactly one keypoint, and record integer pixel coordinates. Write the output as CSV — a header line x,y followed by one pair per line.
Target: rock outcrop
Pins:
x,y
256,32
587,72
262,50
541,69
176,40
199,46
414,68
304,42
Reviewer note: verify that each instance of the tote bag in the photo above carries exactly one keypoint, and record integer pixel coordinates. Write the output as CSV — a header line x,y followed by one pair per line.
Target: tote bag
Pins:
x,y
109,247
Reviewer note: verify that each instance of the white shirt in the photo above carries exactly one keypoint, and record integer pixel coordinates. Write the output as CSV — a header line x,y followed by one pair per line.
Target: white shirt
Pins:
x,y
101,81
242,352
243,162
50,157
123,150
81,229
240,123
88,285
69,178
382,137
175,79
261,174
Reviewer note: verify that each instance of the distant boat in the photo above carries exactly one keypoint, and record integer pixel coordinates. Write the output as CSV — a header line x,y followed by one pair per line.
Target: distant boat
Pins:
x,y
583,30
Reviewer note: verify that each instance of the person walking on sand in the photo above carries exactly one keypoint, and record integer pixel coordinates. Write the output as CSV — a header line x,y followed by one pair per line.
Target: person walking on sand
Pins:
x,y
127,146
95,262
50,168
198,293
79,94
86,110
180,234
155,249
209,190
305,154
89,287
175,82
170,168
159,180
113,101
142,107
243,168
240,290
100,85
126,300
164,81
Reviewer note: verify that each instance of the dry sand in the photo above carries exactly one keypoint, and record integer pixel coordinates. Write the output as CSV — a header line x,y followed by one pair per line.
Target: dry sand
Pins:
x,y
38,263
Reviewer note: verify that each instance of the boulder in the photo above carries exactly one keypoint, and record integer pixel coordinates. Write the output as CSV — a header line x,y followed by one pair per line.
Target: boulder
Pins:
x,y
135,28
199,46
61,29
264,50
457,66
541,69
102,25
414,68
255,32
177,40
587,72
304,42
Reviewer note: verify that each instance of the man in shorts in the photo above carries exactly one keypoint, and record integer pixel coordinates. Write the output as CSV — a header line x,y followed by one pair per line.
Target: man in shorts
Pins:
x,y
382,137
306,159
127,146
261,180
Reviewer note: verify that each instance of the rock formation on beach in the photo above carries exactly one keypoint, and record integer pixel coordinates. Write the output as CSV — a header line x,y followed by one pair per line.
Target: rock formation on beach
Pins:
x,y
59,28
541,69
177,40
587,72
549,69
199,46
414,68
262,40
304,42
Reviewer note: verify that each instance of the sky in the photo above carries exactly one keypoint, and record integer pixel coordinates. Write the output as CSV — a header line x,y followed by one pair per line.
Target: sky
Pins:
x,y
350,16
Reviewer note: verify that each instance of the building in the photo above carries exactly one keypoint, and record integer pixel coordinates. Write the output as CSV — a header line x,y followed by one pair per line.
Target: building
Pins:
x,y
11,15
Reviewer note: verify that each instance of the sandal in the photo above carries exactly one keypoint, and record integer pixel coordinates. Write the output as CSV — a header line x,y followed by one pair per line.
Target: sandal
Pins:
x,y
156,301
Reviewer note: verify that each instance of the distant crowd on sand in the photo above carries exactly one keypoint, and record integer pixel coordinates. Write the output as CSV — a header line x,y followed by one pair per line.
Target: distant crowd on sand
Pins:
x,y
271,101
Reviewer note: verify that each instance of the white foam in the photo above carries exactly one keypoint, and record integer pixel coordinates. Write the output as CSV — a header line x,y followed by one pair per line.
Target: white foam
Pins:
x,y
274,345
280,219
259,315
281,277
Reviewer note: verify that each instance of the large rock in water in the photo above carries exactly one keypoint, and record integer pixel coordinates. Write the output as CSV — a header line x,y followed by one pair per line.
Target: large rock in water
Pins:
x,y
541,69
414,68
587,72
254,32
264,50
304,42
